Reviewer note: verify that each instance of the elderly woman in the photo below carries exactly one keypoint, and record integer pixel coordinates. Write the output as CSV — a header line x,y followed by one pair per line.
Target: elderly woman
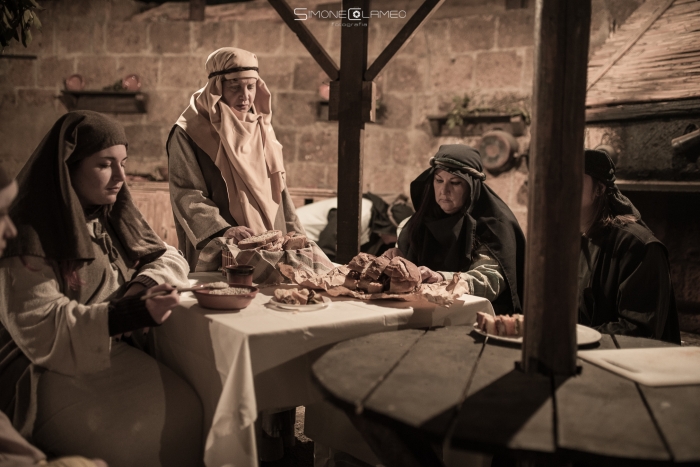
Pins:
x,y
71,281
624,279
226,171
462,227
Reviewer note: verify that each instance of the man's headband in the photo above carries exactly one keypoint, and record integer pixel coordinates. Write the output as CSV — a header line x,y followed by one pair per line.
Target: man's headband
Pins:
x,y
237,69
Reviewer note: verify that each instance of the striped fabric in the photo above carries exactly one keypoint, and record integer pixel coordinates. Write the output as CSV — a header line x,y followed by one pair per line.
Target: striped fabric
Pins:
x,y
266,263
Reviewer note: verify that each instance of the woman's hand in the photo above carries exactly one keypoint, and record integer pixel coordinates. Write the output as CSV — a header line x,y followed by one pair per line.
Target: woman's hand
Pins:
x,y
160,307
239,233
428,276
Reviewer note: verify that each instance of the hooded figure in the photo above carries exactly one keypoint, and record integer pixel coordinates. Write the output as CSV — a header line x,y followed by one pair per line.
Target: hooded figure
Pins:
x,y
68,288
480,238
624,279
225,163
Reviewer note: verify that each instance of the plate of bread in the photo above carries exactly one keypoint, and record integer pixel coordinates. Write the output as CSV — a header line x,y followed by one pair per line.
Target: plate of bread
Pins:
x,y
510,328
301,299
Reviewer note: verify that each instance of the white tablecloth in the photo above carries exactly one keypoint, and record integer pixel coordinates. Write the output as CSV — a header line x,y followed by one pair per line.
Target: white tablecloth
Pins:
x,y
254,359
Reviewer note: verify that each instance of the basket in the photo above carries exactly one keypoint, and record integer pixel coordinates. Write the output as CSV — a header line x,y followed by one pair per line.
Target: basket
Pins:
x,y
227,259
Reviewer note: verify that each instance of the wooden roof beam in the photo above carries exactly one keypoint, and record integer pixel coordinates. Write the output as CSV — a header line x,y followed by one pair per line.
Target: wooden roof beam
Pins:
x,y
307,38
402,37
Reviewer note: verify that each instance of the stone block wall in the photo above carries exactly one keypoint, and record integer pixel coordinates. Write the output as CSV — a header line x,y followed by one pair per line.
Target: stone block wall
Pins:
x,y
473,47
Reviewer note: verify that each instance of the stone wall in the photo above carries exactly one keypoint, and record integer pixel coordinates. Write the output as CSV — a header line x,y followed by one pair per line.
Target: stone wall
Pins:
x,y
474,47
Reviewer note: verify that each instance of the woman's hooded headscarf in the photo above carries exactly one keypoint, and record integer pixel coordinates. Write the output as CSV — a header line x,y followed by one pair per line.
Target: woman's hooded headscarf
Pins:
x,y
49,217
600,166
244,148
486,218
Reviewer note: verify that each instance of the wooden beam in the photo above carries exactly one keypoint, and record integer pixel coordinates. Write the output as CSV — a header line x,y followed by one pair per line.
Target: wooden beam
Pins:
x,y
353,64
652,19
197,10
556,178
306,37
643,111
403,37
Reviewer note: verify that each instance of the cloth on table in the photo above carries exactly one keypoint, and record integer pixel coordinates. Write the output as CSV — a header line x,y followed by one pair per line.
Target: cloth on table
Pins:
x,y
266,263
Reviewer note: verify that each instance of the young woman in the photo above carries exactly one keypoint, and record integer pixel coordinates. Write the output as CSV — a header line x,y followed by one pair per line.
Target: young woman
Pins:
x,y
461,226
624,280
72,280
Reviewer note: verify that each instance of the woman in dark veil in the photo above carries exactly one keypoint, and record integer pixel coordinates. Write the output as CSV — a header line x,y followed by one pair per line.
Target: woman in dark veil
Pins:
x,y
624,279
71,282
462,227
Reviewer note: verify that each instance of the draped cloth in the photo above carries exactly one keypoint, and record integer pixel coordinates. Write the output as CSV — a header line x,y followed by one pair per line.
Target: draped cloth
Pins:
x,y
447,241
242,146
49,217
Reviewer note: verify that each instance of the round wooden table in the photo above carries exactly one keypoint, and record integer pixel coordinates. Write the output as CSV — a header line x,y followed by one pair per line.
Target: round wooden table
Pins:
x,y
411,391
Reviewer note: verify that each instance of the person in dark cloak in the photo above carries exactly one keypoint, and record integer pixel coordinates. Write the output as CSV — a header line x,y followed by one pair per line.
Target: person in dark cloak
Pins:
x,y
71,282
462,227
624,279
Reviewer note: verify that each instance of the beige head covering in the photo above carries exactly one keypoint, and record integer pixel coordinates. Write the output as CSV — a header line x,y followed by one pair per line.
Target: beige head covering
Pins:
x,y
243,146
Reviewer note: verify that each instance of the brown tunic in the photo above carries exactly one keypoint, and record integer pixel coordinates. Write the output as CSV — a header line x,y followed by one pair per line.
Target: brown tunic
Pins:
x,y
200,199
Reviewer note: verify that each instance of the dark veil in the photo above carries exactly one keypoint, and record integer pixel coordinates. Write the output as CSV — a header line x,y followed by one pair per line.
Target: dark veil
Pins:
x,y
487,218
48,215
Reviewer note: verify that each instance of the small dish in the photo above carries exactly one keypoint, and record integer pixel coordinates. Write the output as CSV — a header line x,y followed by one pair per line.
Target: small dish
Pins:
x,y
74,83
584,336
275,305
131,83
225,302
239,274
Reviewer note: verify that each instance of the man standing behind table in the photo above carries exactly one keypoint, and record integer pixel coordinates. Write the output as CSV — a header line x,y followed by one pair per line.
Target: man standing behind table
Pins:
x,y
226,172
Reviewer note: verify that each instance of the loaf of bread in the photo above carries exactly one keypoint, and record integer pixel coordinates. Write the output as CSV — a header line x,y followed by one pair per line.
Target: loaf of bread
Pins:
x,y
404,275
294,241
259,240
377,266
361,262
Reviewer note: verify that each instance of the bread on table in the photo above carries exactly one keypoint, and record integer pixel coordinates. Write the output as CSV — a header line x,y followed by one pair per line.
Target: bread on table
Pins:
x,y
270,236
502,325
294,241
361,262
404,275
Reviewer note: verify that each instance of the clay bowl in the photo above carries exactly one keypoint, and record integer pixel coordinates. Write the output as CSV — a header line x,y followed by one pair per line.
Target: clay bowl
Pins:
x,y
226,302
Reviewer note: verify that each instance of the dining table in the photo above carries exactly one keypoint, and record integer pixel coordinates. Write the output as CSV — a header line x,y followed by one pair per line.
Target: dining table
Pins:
x,y
419,396
242,362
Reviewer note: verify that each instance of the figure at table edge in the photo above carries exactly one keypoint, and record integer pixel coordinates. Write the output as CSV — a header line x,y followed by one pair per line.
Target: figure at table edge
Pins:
x,y
462,226
226,172
70,282
624,274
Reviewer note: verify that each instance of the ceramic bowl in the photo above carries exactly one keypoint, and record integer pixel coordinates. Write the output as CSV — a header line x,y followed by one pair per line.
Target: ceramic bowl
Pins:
x,y
226,302
240,274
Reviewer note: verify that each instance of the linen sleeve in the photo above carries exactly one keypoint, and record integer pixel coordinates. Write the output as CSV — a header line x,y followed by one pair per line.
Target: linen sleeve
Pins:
x,y
485,276
194,210
643,297
52,331
171,268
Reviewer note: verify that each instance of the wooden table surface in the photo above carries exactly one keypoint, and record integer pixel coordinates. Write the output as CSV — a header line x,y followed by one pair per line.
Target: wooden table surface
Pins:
x,y
412,390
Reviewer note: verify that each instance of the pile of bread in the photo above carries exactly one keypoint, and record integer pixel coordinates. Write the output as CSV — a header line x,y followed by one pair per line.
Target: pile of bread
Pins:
x,y
273,240
297,296
501,325
376,274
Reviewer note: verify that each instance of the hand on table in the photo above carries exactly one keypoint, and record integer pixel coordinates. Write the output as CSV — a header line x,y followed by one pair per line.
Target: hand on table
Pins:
x,y
239,233
428,276
161,306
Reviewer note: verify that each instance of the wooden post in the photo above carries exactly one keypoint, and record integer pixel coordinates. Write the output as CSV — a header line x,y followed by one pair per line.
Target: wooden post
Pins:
x,y
556,171
353,64
197,10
